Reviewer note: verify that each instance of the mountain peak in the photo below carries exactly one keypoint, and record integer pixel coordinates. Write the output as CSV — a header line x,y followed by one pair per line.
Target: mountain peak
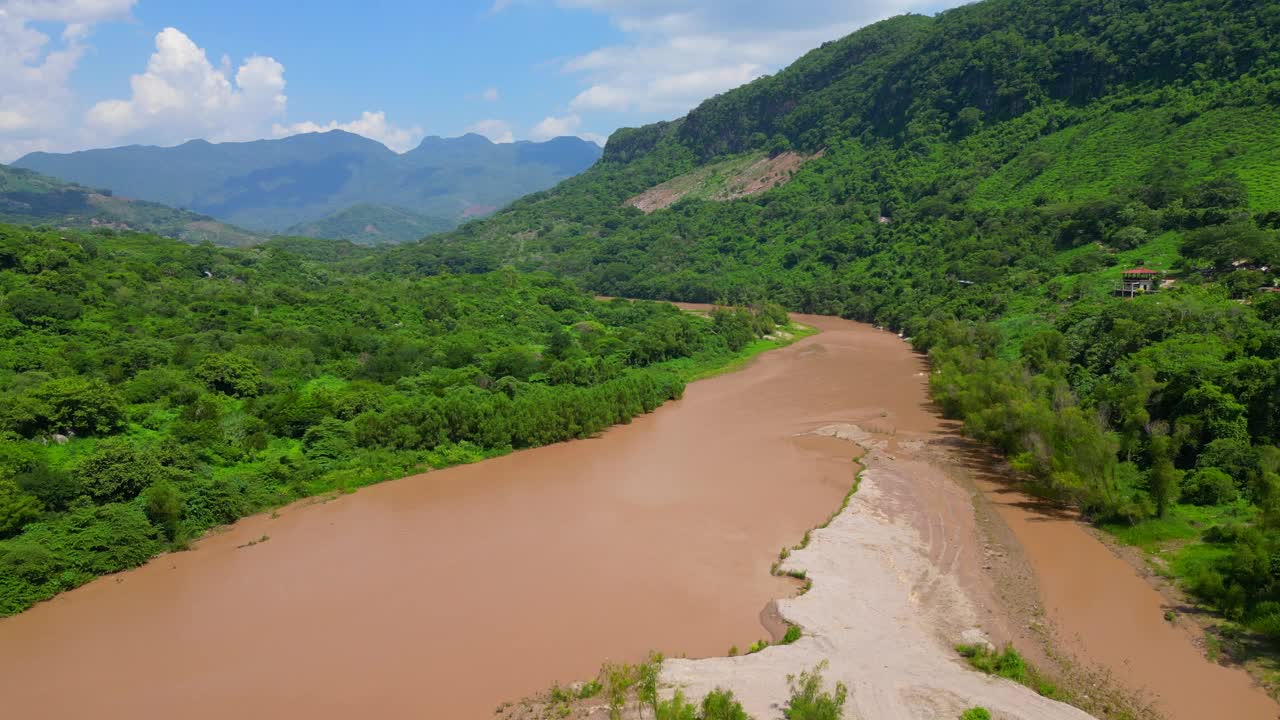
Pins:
x,y
270,185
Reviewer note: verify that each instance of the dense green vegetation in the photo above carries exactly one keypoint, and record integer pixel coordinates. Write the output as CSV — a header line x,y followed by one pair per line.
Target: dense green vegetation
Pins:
x,y
986,175
154,389
29,198
274,185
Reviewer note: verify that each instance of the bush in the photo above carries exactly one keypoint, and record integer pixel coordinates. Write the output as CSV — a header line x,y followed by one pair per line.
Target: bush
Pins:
x,y
722,705
117,471
1007,663
809,701
717,705
214,502
16,508
164,508
1234,457
36,306
230,374
80,405
1209,486
55,489
976,713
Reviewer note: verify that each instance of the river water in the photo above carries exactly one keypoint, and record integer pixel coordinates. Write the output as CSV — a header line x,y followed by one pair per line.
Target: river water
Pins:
x,y
444,594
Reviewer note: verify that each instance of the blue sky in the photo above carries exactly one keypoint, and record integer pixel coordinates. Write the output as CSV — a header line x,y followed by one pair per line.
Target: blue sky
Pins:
x,y
94,73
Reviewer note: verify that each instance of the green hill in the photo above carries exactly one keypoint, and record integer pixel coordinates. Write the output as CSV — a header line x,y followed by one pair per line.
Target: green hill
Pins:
x,y
274,185
980,180
29,198
369,224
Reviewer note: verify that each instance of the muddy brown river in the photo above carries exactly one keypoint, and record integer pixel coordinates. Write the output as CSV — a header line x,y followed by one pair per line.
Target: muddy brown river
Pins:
x,y
444,594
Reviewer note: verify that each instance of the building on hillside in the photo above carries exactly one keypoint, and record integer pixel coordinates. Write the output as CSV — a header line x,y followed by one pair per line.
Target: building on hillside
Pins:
x,y
1138,281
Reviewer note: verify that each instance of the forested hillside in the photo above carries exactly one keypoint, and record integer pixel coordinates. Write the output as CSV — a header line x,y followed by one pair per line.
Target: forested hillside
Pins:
x,y
153,389
985,177
29,198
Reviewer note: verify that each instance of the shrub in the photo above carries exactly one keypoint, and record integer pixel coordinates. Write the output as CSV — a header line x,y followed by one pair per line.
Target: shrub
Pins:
x,y
976,713
717,705
1007,663
809,701
722,705
85,406
1209,486
117,471
677,708
54,488
230,374
215,502
16,508
164,508
36,306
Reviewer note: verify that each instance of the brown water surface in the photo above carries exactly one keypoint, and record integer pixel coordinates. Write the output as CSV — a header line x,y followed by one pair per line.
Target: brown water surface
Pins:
x,y
1110,618
442,595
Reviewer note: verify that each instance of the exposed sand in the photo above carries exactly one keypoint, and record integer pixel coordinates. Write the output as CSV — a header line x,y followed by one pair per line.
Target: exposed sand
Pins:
x,y
886,605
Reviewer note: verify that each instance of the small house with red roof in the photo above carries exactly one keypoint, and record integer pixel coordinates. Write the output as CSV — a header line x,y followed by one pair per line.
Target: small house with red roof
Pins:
x,y
1137,281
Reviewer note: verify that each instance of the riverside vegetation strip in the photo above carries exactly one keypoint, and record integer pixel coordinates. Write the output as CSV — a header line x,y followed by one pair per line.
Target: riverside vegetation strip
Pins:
x,y
155,390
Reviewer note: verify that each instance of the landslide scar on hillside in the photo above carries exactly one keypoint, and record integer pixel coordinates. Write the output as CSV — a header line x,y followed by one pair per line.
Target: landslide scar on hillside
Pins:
x,y
726,180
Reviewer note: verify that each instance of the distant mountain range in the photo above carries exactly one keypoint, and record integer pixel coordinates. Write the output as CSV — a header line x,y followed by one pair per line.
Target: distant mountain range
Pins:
x,y
29,198
371,224
333,184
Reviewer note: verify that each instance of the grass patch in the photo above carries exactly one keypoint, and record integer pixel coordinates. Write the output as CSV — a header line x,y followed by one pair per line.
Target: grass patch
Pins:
x,y
1009,664
693,369
793,634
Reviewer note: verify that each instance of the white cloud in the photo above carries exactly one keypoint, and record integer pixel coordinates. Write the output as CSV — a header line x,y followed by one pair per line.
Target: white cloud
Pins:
x,y
490,94
181,95
496,130
553,127
372,125
35,97
678,54
178,96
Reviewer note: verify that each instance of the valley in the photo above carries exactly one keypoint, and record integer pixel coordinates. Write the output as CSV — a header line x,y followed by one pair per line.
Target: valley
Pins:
x,y
932,372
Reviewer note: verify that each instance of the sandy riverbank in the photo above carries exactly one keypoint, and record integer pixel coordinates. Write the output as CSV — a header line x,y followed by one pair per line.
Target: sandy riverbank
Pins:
x,y
888,601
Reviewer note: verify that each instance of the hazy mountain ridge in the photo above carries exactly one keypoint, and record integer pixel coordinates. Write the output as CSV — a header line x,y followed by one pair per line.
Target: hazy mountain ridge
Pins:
x,y
273,185
30,198
372,224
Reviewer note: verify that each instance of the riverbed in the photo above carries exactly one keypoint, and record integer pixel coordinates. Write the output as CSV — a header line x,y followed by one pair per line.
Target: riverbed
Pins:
x,y
445,594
